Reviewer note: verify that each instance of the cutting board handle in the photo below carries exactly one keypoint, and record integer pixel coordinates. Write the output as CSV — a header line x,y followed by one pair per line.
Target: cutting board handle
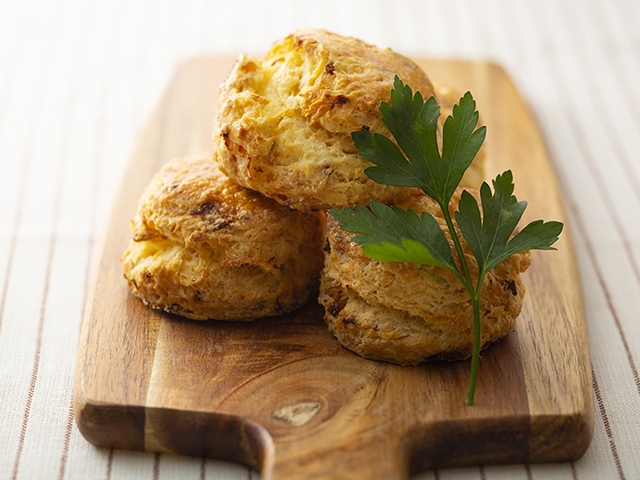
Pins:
x,y
244,441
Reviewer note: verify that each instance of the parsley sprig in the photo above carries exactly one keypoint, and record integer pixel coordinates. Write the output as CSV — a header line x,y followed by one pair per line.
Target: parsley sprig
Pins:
x,y
396,235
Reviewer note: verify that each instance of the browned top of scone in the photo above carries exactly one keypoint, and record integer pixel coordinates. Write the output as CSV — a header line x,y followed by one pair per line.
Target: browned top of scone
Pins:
x,y
190,202
350,80
284,123
430,292
338,81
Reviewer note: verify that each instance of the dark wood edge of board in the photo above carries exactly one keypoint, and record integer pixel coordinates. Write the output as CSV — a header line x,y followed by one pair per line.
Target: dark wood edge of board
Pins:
x,y
241,440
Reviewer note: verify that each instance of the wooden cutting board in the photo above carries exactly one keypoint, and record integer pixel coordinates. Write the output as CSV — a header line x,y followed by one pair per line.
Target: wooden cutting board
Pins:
x,y
281,394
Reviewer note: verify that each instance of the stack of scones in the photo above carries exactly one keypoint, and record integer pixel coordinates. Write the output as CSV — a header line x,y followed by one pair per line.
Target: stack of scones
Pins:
x,y
242,232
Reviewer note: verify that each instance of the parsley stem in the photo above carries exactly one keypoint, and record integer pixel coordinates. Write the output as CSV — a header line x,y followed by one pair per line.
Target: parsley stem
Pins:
x,y
475,355
456,242
474,293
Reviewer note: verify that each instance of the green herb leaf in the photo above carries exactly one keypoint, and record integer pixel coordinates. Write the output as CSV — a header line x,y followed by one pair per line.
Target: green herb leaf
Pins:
x,y
460,143
396,235
413,123
489,236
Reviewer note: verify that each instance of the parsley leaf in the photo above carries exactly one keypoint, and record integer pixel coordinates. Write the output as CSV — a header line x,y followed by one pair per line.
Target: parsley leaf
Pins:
x,y
395,235
489,236
413,123
392,234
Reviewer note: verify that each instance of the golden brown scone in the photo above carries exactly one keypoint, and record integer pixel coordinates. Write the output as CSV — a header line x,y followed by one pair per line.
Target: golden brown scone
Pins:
x,y
284,123
404,313
447,97
204,247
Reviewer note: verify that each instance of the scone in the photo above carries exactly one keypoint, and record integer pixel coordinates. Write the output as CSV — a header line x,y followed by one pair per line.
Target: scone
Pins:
x,y
284,123
403,312
206,248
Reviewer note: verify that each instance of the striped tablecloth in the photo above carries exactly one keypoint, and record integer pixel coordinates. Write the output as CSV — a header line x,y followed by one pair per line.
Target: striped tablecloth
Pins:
x,y
78,79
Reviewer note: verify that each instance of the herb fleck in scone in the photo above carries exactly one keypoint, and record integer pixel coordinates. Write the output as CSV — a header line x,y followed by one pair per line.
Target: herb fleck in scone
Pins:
x,y
405,312
284,123
206,248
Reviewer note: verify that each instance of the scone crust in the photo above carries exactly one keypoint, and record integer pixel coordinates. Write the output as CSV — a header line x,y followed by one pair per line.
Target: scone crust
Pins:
x,y
204,247
284,123
405,313
379,332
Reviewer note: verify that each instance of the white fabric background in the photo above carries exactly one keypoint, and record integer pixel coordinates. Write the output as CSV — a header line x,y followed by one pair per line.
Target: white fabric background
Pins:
x,y
79,78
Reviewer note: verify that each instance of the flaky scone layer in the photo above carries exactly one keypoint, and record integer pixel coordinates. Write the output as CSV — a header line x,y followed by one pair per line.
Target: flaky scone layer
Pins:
x,y
205,247
380,332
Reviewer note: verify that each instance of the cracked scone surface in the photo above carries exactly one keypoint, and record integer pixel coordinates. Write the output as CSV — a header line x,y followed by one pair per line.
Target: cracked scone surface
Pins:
x,y
283,123
204,247
405,313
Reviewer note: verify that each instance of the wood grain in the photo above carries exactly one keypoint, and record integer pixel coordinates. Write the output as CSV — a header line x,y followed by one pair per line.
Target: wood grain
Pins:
x,y
281,394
